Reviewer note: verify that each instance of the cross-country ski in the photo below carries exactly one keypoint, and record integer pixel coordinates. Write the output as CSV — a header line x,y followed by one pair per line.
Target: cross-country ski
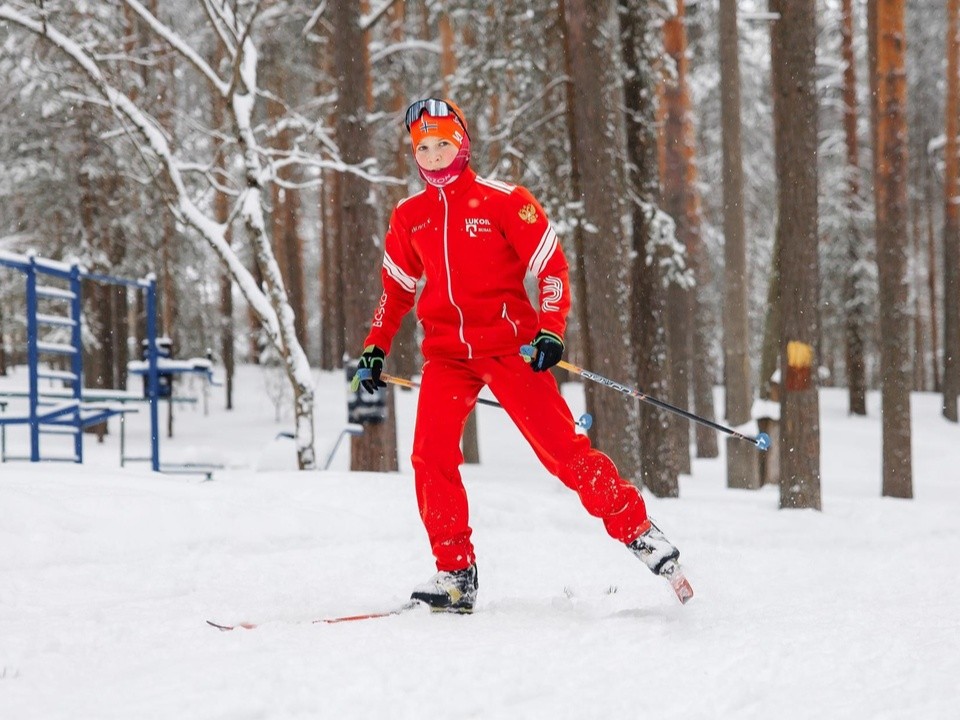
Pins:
x,y
399,610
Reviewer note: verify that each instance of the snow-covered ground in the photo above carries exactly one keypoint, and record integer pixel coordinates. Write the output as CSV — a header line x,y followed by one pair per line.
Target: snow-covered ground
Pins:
x,y
107,576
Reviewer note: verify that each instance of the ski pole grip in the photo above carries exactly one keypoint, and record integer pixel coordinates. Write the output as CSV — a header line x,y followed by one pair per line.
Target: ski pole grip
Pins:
x,y
528,352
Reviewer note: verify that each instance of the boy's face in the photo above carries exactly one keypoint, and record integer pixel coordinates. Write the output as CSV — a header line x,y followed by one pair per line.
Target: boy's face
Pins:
x,y
435,153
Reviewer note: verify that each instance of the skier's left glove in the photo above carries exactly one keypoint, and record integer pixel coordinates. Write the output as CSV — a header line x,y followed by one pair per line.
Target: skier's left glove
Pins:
x,y
549,350
371,360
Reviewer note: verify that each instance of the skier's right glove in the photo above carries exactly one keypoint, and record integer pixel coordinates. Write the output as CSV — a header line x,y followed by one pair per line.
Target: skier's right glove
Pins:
x,y
549,348
371,361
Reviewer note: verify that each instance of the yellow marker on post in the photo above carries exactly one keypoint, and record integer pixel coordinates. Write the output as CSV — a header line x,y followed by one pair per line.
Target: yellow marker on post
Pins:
x,y
799,366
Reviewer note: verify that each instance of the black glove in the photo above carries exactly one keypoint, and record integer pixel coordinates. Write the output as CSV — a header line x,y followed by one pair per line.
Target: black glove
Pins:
x,y
371,360
549,350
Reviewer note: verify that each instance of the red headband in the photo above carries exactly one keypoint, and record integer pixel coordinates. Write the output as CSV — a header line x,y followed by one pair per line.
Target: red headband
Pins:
x,y
446,128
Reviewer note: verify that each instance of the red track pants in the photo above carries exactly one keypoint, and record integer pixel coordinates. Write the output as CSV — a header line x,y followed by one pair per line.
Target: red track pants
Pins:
x,y
448,393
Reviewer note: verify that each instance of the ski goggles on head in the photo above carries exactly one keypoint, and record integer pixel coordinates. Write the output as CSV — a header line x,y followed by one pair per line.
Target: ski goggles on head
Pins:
x,y
434,108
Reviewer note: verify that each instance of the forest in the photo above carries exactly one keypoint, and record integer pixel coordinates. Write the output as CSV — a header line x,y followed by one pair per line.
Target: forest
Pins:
x,y
754,195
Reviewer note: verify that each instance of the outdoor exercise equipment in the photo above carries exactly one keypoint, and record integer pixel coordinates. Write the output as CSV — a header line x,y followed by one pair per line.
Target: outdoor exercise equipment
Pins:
x,y
54,309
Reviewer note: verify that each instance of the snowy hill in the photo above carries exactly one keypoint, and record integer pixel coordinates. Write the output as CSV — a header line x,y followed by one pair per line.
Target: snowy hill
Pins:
x,y
107,576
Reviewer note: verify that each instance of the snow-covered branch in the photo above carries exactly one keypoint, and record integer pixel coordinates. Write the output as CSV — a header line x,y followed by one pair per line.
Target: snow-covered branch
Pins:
x,y
314,18
216,22
370,19
178,44
388,50
294,159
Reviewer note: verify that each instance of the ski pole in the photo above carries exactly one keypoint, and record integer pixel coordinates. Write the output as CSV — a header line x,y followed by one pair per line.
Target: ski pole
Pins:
x,y
762,441
585,421
403,382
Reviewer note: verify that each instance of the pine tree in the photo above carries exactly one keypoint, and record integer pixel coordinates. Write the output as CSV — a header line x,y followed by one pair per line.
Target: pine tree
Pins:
x,y
742,467
890,195
795,113
951,227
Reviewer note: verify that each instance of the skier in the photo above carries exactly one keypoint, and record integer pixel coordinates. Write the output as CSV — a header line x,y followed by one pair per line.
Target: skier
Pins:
x,y
474,240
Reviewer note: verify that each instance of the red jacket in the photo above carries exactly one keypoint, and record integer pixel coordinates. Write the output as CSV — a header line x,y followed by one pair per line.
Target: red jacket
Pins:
x,y
473,241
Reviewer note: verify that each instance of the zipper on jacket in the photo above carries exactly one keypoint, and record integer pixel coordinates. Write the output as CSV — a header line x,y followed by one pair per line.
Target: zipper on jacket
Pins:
x,y
446,262
507,318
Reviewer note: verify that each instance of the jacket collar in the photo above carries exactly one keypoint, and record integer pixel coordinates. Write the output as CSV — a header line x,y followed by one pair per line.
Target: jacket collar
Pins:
x,y
457,187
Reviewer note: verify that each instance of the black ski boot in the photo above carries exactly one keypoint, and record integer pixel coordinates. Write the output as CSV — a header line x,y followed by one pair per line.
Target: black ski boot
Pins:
x,y
454,591
654,549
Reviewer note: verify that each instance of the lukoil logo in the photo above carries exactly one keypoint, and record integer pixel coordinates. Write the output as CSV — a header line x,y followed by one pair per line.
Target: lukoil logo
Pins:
x,y
475,225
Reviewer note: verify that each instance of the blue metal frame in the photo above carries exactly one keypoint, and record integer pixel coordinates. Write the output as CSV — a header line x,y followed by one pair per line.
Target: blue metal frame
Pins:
x,y
32,266
76,365
153,376
33,359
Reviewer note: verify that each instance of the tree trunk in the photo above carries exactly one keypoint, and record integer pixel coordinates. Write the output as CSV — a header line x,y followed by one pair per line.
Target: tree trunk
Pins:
x,y
773,321
892,238
742,465
772,324
95,301
680,300
932,285
603,251
254,321
333,342
287,241
795,115
855,292
916,281
470,442
3,341
119,305
701,364
221,212
227,337
704,376
162,91
376,449
648,304
951,225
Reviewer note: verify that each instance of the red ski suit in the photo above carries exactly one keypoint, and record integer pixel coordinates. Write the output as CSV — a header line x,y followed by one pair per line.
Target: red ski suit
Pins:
x,y
474,241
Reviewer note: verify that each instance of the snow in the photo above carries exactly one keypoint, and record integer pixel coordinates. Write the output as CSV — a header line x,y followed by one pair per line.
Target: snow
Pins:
x,y
107,575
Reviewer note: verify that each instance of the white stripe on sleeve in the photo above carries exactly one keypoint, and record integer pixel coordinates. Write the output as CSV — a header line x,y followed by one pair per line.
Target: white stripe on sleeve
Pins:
x,y
544,251
407,282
